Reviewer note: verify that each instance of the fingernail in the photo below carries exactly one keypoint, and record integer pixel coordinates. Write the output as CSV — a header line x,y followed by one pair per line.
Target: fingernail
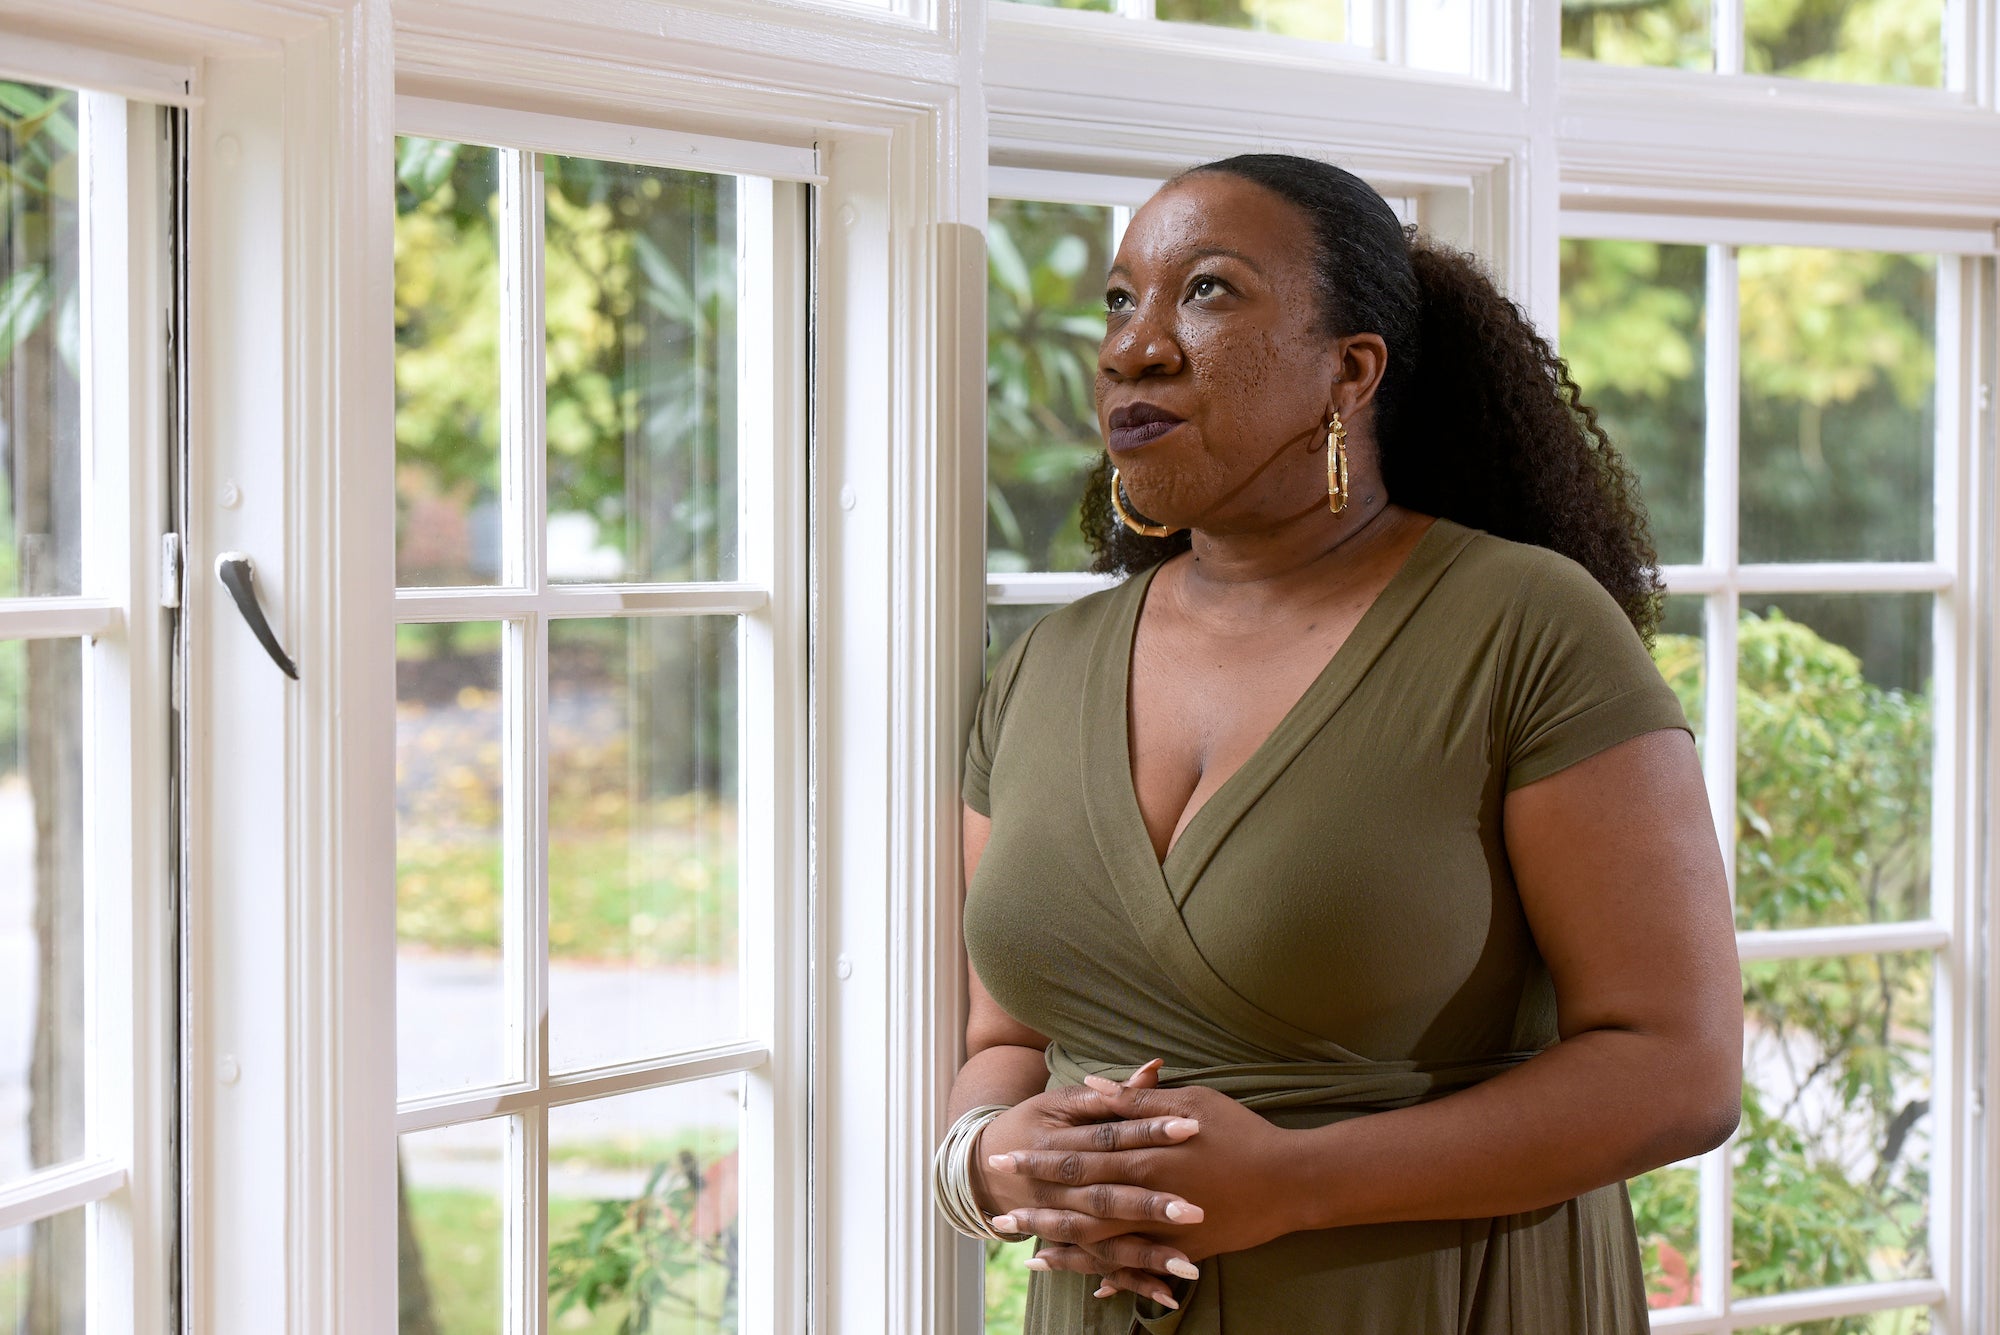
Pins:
x,y
1180,1128
1004,1223
1100,1084
1185,1269
1167,1300
1000,1163
1035,1263
1183,1213
1104,1291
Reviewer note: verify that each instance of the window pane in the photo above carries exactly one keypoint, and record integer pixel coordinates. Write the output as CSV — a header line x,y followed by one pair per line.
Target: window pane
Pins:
x,y
1322,20
1669,33
41,397
640,292
42,1058
450,992
452,1229
644,1210
1008,622
1045,267
448,330
1679,650
1666,1208
642,838
1833,759
1833,1162
1633,323
1102,6
1007,1285
1848,41
1839,417
42,1275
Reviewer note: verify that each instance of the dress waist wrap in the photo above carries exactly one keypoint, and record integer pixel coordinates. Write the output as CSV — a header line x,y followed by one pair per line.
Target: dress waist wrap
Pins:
x,y
1329,1089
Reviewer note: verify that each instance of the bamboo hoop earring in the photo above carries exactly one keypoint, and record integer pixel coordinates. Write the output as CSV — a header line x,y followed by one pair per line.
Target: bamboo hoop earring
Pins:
x,y
1336,466
1144,530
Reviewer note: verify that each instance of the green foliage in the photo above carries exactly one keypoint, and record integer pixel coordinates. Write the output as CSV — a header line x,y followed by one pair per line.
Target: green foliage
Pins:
x,y
1044,320
1842,41
1833,827
670,1251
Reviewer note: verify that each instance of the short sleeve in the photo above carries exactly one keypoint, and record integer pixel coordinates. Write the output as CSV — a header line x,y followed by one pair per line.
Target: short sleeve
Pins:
x,y
984,743
1578,678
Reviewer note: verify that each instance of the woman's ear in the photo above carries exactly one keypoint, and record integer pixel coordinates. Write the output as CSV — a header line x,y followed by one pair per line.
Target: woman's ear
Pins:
x,y
1360,363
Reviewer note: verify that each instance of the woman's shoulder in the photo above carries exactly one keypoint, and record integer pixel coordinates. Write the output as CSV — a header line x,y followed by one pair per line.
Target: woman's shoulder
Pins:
x,y
1071,629
1520,579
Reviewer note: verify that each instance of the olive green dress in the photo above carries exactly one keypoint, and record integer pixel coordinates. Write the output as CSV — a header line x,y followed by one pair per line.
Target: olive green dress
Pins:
x,y
1336,932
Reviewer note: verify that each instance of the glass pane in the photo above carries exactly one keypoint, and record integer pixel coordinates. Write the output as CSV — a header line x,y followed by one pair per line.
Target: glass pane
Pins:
x,y
642,838
1045,266
1839,417
1008,622
1439,35
1634,321
42,1276
644,1210
1847,41
1679,650
42,1057
1666,1208
1669,33
1102,6
451,1235
1007,1285
1322,20
1833,760
1902,1321
640,291
448,331
450,989
41,396
1833,1162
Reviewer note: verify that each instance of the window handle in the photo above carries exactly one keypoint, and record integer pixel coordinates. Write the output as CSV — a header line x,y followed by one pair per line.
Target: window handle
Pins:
x,y
236,572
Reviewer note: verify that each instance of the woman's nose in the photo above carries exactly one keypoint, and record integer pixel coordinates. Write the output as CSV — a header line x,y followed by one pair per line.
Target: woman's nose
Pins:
x,y
1141,346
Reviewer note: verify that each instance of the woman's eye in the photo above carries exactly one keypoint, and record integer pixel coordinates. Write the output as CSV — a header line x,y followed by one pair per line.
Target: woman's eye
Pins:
x,y
1204,287
1116,301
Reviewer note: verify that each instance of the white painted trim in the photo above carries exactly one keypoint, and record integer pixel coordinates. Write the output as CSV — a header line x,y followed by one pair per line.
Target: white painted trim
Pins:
x,y
54,1190
1821,1304
1059,187
465,122
1811,577
581,600
59,618
1661,220
436,1110
1036,589
1863,939
70,64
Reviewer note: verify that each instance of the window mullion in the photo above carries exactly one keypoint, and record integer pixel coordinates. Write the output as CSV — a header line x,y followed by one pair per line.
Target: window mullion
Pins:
x,y
1719,537
1726,20
523,392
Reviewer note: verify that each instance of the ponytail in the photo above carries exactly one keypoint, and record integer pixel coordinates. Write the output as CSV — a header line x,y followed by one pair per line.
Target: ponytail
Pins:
x,y
1477,419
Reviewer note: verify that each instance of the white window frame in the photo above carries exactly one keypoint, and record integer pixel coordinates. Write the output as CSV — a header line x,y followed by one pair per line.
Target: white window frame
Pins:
x,y
767,600
291,931
123,1179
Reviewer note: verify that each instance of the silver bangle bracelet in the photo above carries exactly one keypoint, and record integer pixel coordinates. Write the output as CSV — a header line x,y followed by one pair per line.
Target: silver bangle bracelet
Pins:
x,y
951,1176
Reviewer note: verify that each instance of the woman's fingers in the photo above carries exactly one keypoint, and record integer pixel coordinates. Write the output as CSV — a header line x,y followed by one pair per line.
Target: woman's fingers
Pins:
x,y
1115,1277
1106,1137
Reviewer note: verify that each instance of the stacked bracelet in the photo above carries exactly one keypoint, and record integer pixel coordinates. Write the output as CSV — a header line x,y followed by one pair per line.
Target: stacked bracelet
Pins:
x,y
951,1175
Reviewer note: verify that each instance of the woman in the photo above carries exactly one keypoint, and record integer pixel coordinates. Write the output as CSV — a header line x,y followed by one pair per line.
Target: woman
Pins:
x,y
1356,820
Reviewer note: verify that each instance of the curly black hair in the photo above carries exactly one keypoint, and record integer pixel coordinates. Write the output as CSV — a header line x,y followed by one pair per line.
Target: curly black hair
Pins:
x,y
1477,418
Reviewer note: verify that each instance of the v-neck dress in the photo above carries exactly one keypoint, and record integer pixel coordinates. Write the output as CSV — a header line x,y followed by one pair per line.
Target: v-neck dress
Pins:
x,y
1336,931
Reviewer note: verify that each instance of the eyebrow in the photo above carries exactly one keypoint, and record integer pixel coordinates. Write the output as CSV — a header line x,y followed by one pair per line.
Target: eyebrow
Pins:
x,y
1201,253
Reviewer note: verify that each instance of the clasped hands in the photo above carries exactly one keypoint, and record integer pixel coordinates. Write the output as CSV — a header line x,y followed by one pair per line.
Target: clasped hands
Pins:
x,y
1133,1182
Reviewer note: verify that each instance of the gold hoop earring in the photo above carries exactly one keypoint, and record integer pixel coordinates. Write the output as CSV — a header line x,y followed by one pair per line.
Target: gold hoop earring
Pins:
x,y
1336,465
1142,529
